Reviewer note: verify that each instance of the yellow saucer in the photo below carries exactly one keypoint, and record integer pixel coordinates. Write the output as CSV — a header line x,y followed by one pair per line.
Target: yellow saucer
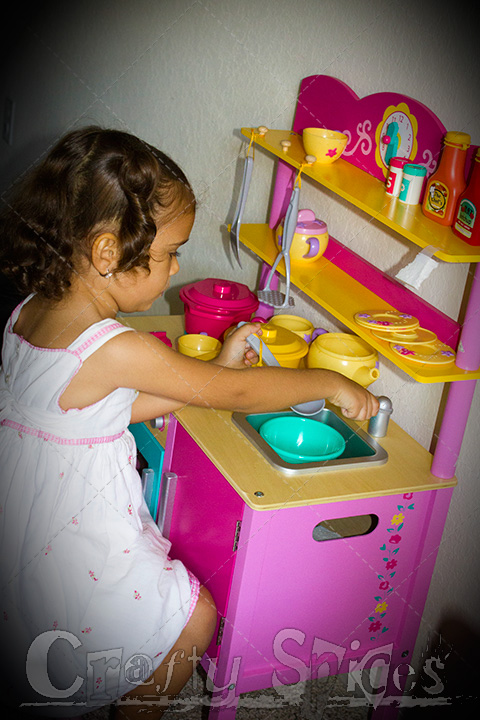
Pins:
x,y
406,337
387,320
434,353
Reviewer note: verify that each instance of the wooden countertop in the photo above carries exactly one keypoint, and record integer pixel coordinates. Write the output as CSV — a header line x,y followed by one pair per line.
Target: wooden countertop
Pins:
x,y
407,469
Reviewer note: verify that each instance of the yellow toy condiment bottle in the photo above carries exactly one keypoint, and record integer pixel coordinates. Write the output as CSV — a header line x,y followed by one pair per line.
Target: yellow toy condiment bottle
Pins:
x,y
448,182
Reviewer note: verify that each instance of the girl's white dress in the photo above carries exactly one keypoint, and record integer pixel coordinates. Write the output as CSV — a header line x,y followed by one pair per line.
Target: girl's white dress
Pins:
x,y
85,574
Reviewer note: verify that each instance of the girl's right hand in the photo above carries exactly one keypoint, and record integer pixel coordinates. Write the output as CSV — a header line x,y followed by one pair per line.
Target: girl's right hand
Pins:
x,y
236,352
354,400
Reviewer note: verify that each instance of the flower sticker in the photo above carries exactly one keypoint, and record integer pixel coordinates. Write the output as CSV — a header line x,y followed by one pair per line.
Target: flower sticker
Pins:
x,y
92,575
403,350
390,558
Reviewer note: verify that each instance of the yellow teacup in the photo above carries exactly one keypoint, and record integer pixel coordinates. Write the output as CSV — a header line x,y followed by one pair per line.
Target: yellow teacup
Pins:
x,y
325,145
202,347
302,327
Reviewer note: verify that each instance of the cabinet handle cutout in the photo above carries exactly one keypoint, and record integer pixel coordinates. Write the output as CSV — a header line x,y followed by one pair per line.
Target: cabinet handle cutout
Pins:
x,y
345,527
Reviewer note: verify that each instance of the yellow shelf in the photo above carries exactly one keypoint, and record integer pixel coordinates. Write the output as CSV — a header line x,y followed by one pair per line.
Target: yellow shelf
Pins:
x,y
368,193
342,296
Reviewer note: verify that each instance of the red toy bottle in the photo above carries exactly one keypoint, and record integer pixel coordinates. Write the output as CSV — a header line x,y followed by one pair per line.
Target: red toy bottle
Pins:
x,y
467,222
448,182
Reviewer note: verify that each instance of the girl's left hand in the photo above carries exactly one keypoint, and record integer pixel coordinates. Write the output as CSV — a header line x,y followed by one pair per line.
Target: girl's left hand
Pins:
x,y
236,352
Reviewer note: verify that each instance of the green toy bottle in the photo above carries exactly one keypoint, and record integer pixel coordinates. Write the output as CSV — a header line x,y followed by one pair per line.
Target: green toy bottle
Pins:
x,y
467,221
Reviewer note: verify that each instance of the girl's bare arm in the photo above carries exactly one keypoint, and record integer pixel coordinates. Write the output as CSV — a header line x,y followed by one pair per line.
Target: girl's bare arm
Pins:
x,y
176,380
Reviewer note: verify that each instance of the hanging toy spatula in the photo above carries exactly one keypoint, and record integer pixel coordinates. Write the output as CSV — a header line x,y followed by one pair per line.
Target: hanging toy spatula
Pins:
x,y
242,199
274,297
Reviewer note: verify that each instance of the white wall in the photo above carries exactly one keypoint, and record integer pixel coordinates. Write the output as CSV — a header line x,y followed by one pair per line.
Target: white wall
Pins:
x,y
187,75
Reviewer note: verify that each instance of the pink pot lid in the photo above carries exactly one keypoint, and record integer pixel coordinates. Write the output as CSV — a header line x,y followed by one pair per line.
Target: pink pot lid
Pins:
x,y
215,293
308,224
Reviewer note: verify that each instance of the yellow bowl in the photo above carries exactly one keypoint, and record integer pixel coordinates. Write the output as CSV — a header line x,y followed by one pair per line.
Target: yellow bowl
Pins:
x,y
202,347
325,145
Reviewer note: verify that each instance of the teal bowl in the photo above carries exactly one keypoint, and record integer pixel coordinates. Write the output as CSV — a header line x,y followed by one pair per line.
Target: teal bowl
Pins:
x,y
301,440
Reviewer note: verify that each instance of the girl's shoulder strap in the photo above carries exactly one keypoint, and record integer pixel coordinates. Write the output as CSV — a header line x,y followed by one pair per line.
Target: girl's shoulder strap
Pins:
x,y
95,336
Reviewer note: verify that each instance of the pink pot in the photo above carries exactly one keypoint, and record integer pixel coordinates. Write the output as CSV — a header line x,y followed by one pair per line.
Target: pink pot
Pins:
x,y
213,305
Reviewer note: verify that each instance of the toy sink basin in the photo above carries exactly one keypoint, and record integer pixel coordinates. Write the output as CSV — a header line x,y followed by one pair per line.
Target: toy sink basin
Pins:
x,y
360,448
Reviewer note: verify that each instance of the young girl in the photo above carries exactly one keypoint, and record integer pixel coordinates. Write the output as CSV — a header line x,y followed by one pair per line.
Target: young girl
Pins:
x,y
86,576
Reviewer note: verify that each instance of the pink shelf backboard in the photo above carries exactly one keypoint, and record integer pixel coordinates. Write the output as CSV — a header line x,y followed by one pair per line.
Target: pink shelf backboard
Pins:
x,y
324,101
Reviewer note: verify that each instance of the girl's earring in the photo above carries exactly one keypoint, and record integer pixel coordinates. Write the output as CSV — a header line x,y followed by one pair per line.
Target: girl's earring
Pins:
x,y
107,275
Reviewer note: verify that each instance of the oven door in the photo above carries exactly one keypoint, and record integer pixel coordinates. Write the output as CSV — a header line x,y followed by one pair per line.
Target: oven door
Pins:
x,y
149,465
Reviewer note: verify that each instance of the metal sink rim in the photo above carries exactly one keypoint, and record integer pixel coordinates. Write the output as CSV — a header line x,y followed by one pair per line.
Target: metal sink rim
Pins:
x,y
378,457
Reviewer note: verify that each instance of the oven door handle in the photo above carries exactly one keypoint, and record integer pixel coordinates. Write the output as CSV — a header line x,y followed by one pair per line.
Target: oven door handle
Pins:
x,y
167,498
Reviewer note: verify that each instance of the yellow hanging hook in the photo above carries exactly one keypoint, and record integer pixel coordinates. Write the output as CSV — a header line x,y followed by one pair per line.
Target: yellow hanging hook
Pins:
x,y
252,142
298,178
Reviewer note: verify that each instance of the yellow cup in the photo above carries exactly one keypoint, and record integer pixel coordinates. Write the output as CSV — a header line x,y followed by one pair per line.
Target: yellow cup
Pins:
x,y
202,347
302,327
325,145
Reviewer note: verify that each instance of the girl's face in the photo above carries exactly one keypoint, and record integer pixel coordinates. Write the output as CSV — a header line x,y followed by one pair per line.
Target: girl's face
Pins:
x,y
137,290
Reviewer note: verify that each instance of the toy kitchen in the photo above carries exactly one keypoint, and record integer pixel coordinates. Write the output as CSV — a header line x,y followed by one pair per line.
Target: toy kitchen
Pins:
x,y
325,564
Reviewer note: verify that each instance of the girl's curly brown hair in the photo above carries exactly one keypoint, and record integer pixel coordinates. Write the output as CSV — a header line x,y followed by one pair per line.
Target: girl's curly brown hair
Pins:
x,y
93,180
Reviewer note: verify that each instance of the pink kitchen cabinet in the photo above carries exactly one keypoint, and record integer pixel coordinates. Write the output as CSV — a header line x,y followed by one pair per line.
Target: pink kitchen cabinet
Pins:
x,y
292,607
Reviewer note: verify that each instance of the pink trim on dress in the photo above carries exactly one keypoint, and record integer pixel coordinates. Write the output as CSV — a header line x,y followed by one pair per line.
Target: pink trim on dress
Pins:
x,y
195,586
59,440
40,349
99,334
